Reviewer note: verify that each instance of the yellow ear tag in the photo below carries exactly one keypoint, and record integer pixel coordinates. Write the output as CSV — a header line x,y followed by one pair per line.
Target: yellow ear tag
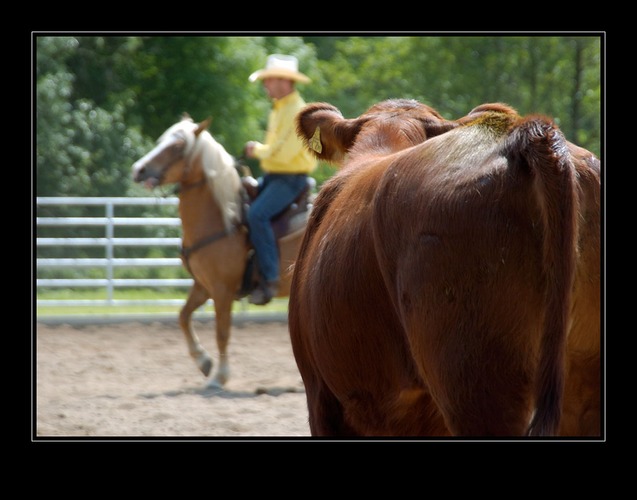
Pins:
x,y
315,141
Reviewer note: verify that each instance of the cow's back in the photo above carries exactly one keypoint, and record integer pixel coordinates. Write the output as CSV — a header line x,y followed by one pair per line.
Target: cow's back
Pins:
x,y
465,265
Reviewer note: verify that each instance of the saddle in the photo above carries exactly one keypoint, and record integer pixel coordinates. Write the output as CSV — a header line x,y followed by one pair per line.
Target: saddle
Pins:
x,y
291,220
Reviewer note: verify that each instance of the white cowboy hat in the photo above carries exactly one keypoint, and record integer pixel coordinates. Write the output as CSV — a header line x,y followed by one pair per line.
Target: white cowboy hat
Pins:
x,y
280,66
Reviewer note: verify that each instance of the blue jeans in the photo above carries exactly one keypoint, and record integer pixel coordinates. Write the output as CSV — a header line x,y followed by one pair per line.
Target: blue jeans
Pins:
x,y
276,192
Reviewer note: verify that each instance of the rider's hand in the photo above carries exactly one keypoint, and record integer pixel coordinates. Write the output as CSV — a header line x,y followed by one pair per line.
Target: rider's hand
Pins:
x,y
248,149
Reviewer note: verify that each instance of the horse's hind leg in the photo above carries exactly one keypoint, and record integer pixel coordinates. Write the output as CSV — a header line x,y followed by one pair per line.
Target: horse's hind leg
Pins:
x,y
196,297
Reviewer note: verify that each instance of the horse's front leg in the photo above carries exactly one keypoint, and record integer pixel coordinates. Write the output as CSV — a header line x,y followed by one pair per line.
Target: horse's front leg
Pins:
x,y
196,297
223,323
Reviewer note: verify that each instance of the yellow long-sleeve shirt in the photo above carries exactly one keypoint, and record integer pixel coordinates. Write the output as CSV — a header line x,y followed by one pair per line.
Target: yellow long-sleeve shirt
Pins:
x,y
283,152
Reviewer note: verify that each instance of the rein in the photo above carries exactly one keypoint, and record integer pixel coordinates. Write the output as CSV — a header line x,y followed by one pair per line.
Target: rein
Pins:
x,y
181,187
186,252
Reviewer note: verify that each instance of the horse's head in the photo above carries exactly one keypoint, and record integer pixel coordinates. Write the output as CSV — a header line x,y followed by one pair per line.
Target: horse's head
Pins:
x,y
168,162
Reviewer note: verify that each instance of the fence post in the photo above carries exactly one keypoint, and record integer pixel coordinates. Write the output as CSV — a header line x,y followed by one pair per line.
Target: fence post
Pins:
x,y
109,252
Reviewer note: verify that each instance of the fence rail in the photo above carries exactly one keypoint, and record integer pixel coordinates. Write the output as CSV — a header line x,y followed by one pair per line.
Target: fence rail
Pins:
x,y
109,263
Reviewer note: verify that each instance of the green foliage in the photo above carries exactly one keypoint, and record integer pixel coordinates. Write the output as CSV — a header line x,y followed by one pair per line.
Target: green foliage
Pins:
x,y
102,101
82,149
557,76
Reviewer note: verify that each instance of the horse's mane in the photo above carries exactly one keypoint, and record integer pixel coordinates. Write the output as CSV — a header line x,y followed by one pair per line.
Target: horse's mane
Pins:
x,y
223,178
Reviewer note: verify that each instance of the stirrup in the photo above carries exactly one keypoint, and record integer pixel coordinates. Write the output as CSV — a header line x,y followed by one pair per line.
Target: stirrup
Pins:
x,y
263,294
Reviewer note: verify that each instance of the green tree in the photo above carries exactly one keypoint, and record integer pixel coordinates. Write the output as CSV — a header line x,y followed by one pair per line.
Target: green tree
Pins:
x,y
82,148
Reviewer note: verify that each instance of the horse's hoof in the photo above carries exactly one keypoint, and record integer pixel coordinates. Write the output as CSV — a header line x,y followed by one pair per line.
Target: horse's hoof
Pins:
x,y
214,384
206,367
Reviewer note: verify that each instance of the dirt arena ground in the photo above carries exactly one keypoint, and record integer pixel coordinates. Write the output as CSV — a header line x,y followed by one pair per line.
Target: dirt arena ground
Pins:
x,y
137,380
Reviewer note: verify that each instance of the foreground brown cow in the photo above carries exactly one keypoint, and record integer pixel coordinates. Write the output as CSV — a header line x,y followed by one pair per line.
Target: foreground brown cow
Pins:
x,y
449,279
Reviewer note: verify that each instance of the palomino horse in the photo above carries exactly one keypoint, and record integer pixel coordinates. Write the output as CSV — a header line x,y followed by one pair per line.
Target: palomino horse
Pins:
x,y
215,244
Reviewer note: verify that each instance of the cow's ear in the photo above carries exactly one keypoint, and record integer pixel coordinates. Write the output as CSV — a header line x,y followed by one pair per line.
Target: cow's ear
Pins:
x,y
325,132
434,127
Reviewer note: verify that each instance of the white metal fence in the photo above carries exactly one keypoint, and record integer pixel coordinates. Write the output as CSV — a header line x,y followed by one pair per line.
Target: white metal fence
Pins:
x,y
109,242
